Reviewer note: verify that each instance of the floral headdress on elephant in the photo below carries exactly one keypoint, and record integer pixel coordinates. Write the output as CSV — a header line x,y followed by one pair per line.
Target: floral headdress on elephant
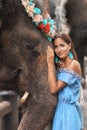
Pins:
x,y
46,24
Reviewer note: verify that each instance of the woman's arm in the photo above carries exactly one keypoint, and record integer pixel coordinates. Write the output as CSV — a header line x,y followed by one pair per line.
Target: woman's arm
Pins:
x,y
55,85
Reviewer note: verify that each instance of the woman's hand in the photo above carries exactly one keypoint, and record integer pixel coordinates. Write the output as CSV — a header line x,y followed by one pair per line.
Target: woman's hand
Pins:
x,y
50,56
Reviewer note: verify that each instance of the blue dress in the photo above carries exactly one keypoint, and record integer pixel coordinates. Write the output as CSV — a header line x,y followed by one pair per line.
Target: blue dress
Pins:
x,y
68,113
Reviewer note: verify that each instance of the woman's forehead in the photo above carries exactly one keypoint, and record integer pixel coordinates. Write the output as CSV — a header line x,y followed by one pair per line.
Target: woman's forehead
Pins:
x,y
59,40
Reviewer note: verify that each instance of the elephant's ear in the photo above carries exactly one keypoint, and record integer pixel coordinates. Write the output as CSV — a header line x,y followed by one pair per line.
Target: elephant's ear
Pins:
x,y
61,20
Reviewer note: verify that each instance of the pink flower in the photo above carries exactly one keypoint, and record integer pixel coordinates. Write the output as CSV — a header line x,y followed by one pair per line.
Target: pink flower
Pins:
x,y
38,18
30,10
24,3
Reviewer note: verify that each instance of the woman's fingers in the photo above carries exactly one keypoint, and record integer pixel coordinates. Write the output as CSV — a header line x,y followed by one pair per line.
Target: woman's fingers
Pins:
x,y
50,50
50,55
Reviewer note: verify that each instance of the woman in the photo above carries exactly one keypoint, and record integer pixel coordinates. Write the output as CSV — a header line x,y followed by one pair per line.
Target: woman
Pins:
x,y
66,81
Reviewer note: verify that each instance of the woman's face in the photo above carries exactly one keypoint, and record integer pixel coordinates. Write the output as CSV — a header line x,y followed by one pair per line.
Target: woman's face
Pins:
x,y
61,48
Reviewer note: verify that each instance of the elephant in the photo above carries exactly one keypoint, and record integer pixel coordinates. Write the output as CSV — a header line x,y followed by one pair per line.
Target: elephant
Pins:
x,y
23,64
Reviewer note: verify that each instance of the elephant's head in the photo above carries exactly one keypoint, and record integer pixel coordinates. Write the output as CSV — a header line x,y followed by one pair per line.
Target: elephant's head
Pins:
x,y
23,65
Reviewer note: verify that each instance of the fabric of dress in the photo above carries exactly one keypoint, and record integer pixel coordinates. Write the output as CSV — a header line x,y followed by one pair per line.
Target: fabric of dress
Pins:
x,y
68,112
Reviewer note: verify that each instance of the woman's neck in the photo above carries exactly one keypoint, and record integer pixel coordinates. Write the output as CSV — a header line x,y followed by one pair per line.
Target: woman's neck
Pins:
x,y
66,62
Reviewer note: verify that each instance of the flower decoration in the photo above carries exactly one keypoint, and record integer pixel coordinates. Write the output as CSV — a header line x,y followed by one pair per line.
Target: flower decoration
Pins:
x,y
45,28
37,19
47,25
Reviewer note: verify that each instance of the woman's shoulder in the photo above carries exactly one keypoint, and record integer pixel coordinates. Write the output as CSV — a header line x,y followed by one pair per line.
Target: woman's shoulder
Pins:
x,y
75,66
70,74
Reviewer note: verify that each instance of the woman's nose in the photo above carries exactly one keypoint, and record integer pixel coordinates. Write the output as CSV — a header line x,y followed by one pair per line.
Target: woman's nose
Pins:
x,y
58,49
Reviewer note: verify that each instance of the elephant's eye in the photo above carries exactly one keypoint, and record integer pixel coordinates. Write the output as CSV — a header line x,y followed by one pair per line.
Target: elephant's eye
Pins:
x,y
35,53
30,47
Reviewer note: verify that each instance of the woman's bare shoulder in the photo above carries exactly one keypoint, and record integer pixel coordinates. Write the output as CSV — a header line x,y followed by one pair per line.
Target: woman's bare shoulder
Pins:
x,y
75,66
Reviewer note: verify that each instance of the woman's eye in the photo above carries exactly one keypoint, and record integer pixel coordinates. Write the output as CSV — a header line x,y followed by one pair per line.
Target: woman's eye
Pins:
x,y
62,45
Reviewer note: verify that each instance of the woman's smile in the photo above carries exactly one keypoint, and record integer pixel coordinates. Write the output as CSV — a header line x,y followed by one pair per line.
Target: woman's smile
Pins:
x,y
61,54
